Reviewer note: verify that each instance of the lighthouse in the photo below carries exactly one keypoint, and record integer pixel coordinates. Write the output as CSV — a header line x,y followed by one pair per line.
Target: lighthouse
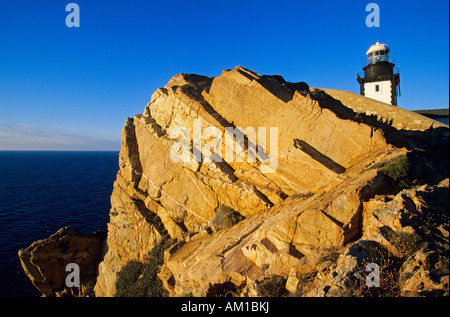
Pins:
x,y
380,82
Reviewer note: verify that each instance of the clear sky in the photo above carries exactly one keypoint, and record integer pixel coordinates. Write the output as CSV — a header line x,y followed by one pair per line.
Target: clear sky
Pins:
x,y
72,88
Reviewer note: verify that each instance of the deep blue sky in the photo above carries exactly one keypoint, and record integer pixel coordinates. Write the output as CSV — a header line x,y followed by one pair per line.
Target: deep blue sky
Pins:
x,y
72,88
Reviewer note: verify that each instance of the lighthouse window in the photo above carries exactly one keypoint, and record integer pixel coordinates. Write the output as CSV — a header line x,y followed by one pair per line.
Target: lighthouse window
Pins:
x,y
377,87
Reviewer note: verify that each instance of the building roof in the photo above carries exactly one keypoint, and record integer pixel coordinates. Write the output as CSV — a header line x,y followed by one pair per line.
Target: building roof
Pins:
x,y
434,112
377,47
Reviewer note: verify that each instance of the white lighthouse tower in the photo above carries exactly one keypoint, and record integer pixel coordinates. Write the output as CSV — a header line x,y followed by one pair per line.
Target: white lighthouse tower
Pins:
x,y
380,81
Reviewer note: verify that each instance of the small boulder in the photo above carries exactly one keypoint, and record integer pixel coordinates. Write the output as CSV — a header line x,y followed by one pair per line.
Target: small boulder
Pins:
x,y
45,261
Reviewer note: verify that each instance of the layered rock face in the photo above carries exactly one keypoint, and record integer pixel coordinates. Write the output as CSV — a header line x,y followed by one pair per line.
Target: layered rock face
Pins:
x,y
302,168
252,178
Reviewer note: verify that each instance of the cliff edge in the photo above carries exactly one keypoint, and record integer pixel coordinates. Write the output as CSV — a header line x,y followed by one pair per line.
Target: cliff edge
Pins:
x,y
233,184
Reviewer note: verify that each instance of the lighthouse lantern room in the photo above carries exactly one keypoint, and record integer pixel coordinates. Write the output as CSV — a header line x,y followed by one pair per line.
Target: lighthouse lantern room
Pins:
x,y
380,82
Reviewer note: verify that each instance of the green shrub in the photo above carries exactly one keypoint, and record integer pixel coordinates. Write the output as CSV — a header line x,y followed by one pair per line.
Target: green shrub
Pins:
x,y
397,169
141,279
318,94
126,283
405,243
272,287
226,217
234,218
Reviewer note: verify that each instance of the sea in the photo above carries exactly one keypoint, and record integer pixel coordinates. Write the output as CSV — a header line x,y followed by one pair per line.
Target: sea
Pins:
x,y
43,191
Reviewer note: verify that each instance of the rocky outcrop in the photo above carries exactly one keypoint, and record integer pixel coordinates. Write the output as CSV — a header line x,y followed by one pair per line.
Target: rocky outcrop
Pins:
x,y
406,235
47,262
252,178
307,191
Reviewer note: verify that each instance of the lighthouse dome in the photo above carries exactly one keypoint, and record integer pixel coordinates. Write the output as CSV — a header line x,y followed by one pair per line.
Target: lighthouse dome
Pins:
x,y
378,53
378,47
